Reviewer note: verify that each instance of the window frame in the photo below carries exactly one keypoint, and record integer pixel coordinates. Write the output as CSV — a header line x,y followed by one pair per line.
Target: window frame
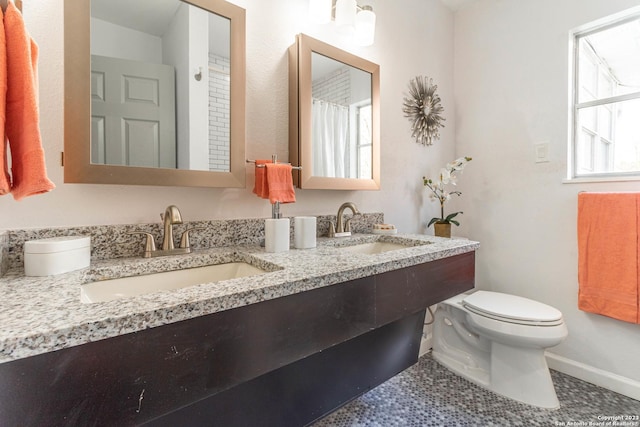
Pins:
x,y
359,144
612,101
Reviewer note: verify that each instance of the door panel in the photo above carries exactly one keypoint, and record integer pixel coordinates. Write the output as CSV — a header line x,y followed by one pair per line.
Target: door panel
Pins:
x,y
133,113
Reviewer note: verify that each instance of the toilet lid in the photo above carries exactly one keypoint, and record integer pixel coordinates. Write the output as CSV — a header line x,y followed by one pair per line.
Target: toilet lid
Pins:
x,y
511,308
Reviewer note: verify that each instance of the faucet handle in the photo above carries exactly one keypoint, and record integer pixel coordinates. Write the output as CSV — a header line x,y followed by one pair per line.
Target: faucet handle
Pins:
x,y
347,222
184,240
149,243
332,229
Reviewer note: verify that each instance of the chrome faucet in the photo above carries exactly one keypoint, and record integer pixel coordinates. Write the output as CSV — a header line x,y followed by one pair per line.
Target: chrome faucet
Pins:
x,y
342,228
170,217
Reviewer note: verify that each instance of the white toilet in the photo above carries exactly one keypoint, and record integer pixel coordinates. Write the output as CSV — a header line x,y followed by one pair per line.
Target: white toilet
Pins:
x,y
497,341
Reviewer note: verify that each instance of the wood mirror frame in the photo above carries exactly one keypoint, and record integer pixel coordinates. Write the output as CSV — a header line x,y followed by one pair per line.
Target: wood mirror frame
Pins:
x,y
300,106
77,106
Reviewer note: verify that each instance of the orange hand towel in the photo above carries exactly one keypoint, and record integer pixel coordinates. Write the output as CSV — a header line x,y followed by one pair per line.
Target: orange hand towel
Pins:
x,y
5,180
608,227
28,168
261,188
280,181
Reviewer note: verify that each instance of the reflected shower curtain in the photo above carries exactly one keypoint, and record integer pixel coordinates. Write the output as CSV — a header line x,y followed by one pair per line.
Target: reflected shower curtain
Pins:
x,y
330,139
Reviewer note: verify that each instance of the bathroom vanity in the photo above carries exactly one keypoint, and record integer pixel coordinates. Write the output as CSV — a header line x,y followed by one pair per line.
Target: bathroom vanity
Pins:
x,y
319,327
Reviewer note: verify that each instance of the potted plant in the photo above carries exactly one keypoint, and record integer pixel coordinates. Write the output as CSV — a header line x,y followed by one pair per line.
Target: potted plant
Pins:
x,y
448,175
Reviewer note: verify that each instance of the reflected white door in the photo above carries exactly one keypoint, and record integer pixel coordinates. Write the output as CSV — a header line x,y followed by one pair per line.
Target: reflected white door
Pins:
x,y
132,113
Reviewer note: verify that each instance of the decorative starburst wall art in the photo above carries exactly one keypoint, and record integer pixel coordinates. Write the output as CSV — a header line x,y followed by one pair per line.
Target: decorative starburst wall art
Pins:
x,y
423,110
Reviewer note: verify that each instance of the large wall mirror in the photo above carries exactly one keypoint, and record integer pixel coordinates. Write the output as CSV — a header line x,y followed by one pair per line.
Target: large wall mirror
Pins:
x,y
155,92
334,117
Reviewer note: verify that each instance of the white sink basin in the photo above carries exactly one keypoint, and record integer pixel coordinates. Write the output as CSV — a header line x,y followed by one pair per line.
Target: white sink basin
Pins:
x,y
108,290
375,247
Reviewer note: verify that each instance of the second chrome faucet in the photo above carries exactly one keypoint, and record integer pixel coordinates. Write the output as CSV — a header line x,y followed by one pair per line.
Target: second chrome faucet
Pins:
x,y
342,228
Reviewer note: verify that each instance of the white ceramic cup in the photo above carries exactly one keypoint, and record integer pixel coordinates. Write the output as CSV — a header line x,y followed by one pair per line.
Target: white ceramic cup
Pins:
x,y
304,232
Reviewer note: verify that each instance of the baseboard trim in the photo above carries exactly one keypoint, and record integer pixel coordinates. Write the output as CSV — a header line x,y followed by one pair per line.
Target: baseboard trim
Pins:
x,y
599,377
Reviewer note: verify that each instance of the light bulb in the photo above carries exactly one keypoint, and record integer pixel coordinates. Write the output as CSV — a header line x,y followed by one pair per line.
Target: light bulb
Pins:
x,y
346,16
365,26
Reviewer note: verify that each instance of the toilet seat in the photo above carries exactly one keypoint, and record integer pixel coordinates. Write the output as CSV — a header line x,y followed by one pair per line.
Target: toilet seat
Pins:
x,y
512,309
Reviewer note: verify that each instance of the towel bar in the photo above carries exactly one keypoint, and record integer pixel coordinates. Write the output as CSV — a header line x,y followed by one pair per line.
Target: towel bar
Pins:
x,y
262,166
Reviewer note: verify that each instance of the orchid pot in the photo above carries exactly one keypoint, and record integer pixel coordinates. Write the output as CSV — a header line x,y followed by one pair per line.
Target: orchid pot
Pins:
x,y
442,229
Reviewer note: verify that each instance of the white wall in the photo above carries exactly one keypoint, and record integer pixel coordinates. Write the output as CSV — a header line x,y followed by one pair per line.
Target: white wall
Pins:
x,y
413,37
108,39
174,53
511,91
198,145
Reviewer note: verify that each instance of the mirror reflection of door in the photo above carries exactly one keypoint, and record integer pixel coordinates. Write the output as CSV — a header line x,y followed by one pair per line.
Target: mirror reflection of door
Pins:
x,y
341,119
132,113
191,128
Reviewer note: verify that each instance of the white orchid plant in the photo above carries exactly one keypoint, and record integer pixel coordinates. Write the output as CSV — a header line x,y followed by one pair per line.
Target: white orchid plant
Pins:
x,y
448,175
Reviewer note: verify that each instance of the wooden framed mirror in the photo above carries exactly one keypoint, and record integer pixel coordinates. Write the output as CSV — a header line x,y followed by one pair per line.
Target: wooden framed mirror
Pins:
x,y
334,117
140,107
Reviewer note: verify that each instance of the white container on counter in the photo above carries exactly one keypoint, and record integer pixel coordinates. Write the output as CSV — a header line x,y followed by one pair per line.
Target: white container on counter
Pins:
x,y
56,255
276,235
304,232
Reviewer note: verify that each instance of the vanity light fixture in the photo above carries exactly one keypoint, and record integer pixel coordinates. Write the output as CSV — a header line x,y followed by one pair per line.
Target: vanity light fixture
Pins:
x,y
350,18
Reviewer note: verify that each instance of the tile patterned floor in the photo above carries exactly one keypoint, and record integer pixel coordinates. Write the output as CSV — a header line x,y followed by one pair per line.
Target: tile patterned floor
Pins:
x,y
427,394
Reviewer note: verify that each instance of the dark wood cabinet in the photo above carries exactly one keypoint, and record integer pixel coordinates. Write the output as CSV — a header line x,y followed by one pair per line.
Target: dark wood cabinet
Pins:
x,y
285,361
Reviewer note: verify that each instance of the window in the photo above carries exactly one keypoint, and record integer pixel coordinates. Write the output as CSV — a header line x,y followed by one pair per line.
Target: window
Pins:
x,y
606,100
360,150
364,145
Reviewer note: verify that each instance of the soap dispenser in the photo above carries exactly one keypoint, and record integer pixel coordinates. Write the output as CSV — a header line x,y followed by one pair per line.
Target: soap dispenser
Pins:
x,y
276,231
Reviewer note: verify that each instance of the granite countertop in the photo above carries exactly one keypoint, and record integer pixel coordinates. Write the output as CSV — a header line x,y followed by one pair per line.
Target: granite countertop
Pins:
x,y
43,314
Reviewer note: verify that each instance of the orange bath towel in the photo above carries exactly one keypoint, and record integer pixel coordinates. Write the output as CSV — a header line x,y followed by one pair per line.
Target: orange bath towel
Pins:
x,y
5,180
280,181
608,256
261,188
28,168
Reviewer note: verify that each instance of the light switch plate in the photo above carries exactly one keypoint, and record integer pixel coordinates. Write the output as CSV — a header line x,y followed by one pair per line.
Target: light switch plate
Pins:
x,y
541,152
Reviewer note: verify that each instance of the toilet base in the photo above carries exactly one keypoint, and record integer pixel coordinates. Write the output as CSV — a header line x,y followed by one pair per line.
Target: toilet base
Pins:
x,y
522,374
516,373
